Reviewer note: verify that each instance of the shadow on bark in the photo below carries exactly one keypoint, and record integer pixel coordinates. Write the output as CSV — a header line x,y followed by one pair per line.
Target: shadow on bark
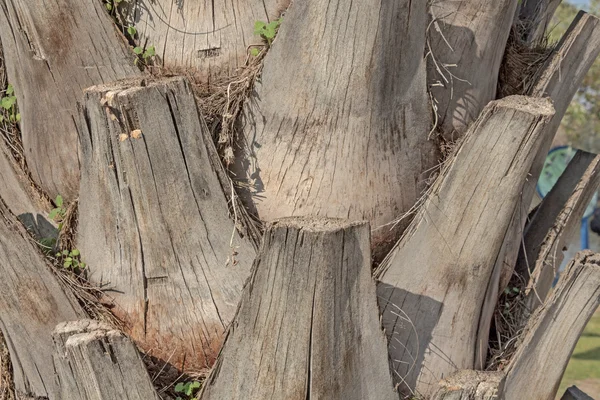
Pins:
x,y
402,336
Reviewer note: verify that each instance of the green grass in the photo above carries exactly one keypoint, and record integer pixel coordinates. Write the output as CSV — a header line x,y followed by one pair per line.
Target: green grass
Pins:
x,y
584,367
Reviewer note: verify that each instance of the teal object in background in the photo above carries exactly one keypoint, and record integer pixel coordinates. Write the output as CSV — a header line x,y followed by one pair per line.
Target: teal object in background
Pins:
x,y
555,164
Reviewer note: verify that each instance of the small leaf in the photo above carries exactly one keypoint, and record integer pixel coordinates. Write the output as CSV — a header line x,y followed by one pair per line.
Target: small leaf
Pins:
x,y
273,25
138,50
65,252
53,213
254,51
67,264
258,27
8,102
132,31
59,200
10,90
75,252
18,118
180,387
516,290
150,51
82,265
109,6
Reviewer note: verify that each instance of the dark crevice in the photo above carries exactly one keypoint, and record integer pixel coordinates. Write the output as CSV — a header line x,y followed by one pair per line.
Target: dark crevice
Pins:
x,y
143,264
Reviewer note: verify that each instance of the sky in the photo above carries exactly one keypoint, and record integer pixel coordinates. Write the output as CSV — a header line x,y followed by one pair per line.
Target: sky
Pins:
x,y
579,2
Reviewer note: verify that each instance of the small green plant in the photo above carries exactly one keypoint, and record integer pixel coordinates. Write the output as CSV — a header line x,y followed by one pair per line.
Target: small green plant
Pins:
x,y
111,5
144,55
188,389
71,259
58,213
267,31
8,102
132,31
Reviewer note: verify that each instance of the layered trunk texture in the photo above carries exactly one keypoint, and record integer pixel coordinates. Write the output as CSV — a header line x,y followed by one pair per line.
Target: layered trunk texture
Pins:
x,y
471,385
95,362
52,53
307,326
32,302
553,331
212,37
559,79
329,130
463,58
154,223
534,17
440,289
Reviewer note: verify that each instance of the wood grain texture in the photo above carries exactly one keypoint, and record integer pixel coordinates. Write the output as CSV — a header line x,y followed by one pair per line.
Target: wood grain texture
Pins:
x,y
559,80
433,284
545,261
331,131
307,326
32,302
466,42
553,331
53,51
210,36
154,223
470,385
95,362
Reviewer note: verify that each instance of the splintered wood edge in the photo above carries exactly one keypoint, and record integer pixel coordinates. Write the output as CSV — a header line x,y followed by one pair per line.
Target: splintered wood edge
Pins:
x,y
87,337
134,84
81,326
531,105
315,224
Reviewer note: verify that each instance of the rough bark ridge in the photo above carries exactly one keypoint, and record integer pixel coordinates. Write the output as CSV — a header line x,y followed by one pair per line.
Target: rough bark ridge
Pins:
x,y
464,58
95,362
554,330
470,385
344,137
535,17
49,68
440,288
559,79
544,265
210,36
154,225
31,304
307,326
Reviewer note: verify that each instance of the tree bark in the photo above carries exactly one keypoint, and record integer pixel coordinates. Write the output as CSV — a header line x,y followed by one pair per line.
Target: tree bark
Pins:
x,y
465,47
544,264
52,53
95,362
471,385
307,325
32,302
558,79
22,199
211,37
553,331
154,225
345,137
466,215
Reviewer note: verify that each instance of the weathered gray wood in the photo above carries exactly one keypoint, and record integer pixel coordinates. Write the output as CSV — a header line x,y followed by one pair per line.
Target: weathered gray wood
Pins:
x,y
549,255
466,42
559,79
22,199
548,211
574,393
438,273
154,225
95,362
554,330
32,302
210,36
534,17
52,52
470,385
307,326
329,130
